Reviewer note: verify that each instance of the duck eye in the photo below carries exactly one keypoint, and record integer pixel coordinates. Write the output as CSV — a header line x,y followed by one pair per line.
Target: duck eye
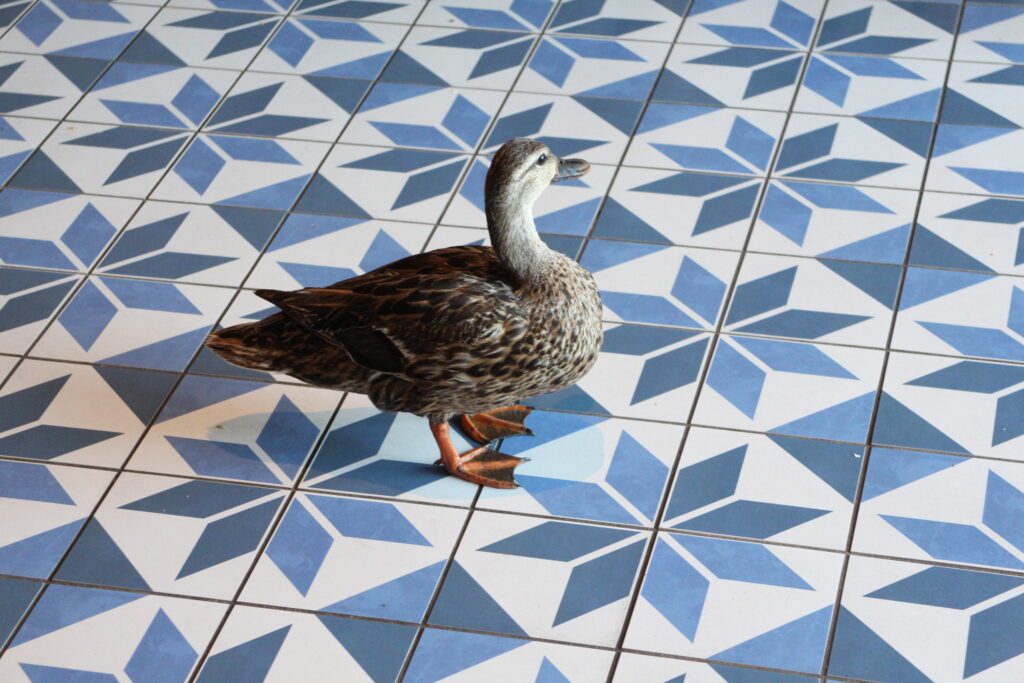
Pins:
x,y
542,159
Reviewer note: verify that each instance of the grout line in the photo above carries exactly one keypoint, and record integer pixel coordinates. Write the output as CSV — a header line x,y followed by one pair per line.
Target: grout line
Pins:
x,y
865,464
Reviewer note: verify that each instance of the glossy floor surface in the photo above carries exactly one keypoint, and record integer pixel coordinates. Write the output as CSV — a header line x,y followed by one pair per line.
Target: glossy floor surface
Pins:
x,y
799,457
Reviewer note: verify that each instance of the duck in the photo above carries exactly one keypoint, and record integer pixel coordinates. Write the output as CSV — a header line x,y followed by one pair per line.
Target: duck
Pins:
x,y
465,332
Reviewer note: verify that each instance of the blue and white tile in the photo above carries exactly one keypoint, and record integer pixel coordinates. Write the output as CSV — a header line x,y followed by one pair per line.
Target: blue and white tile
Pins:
x,y
59,231
397,11
276,646
524,576
508,15
637,667
977,159
11,10
755,23
791,388
984,95
656,20
137,323
18,140
878,87
694,584
431,116
77,414
834,221
660,285
159,95
258,173
457,657
222,428
678,207
403,548
586,67
910,622
124,161
7,364
959,406
30,85
18,596
76,28
264,6
90,633
767,488
171,535
28,300
390,455
191,243
596,128
929,506
907,29
754,77
390,184
284,106
961,313
467,58
589,467
841,302
883,152
966,232
45,506
451,236
185,37
317,251
566,208
699,138
991,33
320,49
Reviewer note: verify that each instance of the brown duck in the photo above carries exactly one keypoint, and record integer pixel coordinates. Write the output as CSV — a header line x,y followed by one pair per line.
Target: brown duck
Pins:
x,y
465,331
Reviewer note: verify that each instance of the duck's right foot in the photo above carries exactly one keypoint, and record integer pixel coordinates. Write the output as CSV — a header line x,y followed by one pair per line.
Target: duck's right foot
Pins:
x,y
496,424
480,465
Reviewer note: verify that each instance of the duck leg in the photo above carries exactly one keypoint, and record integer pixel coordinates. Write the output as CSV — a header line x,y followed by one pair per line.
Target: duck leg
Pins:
x,y
480,465
496,424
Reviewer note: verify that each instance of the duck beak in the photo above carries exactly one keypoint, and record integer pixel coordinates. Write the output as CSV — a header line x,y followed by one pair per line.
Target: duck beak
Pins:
x,y
571,168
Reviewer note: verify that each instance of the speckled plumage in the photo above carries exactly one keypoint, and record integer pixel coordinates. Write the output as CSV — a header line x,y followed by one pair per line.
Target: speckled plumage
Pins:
x,y
452,331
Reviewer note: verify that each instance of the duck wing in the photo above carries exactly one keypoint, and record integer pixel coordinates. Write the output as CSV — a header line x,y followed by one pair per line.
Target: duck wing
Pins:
x,y
439,308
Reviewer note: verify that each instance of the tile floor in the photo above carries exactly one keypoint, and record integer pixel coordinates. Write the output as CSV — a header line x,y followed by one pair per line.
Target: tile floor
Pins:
x,y
799,457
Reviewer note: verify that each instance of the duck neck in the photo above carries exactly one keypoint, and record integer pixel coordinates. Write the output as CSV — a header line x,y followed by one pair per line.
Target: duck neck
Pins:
x,y
515,239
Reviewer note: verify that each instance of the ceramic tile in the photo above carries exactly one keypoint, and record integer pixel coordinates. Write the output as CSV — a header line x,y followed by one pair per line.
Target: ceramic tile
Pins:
x,y
637,667
71,413
76,28
700,138
171,535
137,323
906,29
878,87
508,15
154,95
960,313
991,33
656,20
429,116
840,222
501,656
529,577
791,388
18,138
265,6
977,159
398,11
275,646
969,233
402,547
841,302
884,152
77,632
984,95
689,596
590,468
33,86
124,161
915,622
450,236
929,506
754,23
7,364
678,207
28,300
752,77
16,596
945,404
12,10
222,428
45,506
232,170
768,488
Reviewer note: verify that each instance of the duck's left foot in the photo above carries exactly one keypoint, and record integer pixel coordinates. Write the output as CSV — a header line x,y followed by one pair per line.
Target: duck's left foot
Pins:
x,y
480,465
496,424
